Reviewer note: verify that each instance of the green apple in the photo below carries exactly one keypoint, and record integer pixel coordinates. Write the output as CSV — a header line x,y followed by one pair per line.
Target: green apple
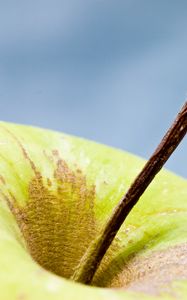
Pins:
x,y
56,194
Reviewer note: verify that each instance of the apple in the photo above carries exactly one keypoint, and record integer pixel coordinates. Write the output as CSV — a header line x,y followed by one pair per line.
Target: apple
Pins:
x,y
57,192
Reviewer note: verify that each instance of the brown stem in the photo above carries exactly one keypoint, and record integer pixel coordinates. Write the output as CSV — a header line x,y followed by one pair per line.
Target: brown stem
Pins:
x,y
93,256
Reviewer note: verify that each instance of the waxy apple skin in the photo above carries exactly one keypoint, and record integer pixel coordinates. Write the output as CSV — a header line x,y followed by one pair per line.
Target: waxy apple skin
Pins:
x,y
57,192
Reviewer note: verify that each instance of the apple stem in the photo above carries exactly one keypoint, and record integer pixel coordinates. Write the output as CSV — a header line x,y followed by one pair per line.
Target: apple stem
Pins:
x,y
97,249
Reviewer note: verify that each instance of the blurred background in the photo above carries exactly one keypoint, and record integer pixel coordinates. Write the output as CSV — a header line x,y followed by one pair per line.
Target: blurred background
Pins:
x,y
111,71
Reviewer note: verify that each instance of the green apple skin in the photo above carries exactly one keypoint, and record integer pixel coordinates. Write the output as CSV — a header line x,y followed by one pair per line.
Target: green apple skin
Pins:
x,y
57,192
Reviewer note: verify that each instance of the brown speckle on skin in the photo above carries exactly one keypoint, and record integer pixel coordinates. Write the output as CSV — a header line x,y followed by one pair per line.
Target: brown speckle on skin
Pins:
x,y
22,297
49,182
105,182
55,152
2,180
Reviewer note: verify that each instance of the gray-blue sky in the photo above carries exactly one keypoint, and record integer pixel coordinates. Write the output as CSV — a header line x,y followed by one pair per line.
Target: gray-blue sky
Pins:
x,y
111,71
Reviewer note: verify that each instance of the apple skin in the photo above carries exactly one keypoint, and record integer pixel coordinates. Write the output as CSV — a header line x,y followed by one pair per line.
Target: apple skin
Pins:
x,y
57,192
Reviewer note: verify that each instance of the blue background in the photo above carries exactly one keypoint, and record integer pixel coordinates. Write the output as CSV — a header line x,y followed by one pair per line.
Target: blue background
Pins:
x,y
111,71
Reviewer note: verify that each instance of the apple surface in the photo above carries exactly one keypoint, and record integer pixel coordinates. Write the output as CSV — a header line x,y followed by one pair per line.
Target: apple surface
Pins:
x,y
57,192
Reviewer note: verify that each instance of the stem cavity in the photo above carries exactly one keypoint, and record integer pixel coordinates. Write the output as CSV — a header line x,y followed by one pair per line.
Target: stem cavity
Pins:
x,y
97,249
